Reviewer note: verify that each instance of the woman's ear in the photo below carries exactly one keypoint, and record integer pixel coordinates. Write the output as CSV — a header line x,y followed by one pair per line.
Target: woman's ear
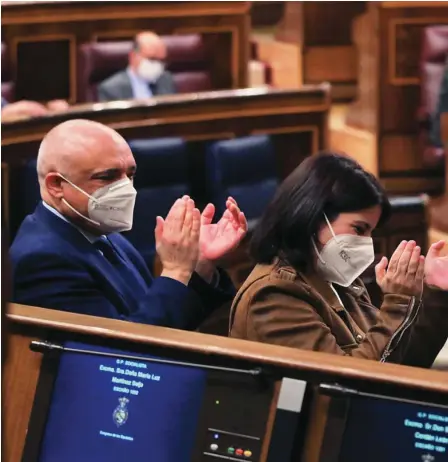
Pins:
x,y
323,235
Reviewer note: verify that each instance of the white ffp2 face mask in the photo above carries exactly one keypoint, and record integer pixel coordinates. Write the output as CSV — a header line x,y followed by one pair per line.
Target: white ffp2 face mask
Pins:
x,y
111,208
150,70
344,257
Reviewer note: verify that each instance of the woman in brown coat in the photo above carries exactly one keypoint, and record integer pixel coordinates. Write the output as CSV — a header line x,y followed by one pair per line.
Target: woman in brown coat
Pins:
x,y
311,245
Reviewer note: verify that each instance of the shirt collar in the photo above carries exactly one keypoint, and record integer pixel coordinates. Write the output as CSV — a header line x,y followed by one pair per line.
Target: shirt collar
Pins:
x,y
92,238
135,77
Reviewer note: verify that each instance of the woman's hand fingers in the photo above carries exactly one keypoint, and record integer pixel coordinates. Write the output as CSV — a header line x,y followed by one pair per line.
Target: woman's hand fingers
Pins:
x,y
403,262
393,265
380,270
409,271
414,261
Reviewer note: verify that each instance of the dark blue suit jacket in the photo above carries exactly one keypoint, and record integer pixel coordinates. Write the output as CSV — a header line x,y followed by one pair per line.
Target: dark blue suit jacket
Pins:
x,y
55,266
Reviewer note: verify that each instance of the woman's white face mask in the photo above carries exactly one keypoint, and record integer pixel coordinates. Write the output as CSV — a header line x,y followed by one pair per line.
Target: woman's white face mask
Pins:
x,y
111,208
344,257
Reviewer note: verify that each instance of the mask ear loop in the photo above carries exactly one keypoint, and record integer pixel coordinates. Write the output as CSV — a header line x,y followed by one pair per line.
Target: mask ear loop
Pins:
x,y
73,208
317,251
79,213
314,243
77,187
331,228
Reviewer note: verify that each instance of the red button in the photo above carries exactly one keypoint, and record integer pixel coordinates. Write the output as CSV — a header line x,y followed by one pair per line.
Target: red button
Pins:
x,y
239,452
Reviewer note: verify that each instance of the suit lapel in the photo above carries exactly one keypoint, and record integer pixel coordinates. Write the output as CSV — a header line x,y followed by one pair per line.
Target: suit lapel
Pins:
x,y
155,88
160,87
74,238
126,87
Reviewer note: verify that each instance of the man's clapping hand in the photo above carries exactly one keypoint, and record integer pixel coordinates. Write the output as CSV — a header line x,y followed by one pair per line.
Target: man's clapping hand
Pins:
x,y
218,239
177,240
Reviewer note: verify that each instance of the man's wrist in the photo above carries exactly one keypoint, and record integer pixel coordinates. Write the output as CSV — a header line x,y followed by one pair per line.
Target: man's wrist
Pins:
x,y
182,276
205,269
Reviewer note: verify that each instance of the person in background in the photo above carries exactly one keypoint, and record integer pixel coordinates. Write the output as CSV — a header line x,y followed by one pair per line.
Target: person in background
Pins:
x,y
69,255
311,245
25,108
145,75
442,106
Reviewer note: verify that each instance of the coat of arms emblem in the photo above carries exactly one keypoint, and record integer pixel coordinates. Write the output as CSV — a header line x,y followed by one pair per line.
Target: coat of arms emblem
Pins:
x,y
428,458
121,412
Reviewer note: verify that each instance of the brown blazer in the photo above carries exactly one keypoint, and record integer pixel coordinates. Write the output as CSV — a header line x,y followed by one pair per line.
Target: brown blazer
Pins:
x,y
279,305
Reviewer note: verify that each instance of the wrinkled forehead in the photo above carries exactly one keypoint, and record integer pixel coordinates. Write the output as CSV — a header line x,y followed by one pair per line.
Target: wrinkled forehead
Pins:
x,y
103,152
152,47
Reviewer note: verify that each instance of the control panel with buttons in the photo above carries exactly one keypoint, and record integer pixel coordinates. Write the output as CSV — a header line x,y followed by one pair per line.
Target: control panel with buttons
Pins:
x,y
232,446
233,419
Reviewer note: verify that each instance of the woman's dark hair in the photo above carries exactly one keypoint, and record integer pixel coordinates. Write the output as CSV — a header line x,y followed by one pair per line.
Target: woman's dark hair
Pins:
x,y
325,183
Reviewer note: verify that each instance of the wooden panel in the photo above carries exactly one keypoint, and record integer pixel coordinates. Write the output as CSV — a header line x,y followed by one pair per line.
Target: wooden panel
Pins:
x,y
444,129
363,113
405,152
289,358
284,60
343,67
266,13
41,77
439,206
322,30
29,323
316,430
270,423
329,23
361,145
20,374
83,21
389,41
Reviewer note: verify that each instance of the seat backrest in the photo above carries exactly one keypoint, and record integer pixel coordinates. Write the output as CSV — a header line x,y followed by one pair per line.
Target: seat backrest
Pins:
x,y
244,168
162,177
7,75
432,65
26,194
96,62
187,59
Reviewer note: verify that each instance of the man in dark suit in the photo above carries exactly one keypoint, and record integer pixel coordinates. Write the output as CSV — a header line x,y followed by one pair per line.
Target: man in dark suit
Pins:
x,y
69,255
144,77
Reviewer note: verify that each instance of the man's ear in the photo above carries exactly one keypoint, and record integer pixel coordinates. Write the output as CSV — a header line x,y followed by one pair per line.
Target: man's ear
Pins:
x,y
132,58
53,183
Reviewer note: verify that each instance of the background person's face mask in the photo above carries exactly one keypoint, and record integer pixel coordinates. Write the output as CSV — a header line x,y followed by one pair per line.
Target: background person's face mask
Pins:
x,y
111,208
344,257
150,70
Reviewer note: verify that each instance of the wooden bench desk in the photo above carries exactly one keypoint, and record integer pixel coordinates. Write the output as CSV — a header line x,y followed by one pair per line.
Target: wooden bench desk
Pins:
x,y
23,366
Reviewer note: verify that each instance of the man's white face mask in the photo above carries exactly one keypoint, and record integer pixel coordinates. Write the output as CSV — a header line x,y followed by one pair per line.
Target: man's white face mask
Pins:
x,y
344,257
111,208
150,70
